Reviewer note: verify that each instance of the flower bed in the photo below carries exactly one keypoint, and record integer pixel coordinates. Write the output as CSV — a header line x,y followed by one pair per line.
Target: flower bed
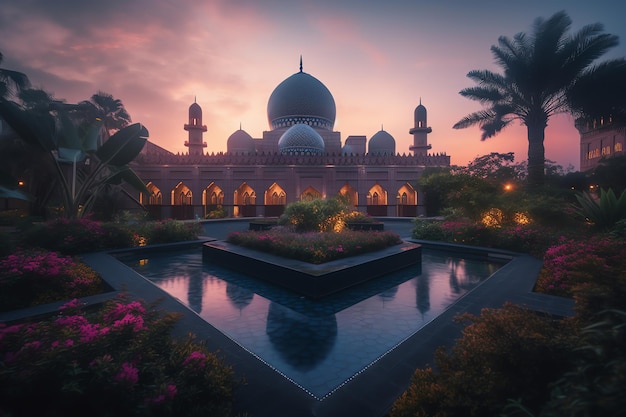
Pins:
x,y
314,247
33,277
570,264
118,361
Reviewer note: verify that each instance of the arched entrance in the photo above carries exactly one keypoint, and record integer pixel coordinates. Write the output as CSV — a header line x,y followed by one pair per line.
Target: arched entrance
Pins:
x,y
212,198
406,201
275,200
182,202
377,201
309,194
152,201
351,195
244,201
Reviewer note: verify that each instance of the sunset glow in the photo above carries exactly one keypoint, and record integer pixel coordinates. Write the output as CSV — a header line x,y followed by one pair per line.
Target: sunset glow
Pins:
x,y
377,59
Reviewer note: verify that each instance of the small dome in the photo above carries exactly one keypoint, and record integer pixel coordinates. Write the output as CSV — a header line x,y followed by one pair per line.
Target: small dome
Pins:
x,y
301,139
195,111
240,142
347,150
301,98
382,143
420,113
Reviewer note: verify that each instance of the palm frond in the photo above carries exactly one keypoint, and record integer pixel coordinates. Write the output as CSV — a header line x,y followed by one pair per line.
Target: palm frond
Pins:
x,y
476,118
482,94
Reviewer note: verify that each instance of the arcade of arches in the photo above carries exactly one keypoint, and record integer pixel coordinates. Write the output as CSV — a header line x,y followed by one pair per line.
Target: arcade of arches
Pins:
x,y
184,205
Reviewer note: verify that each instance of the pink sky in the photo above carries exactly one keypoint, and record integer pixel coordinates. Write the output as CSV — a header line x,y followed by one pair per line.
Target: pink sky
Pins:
x,y
377,59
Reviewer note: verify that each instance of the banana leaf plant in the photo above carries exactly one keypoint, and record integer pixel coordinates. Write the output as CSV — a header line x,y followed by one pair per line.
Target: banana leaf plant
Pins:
x,y
67,145
604,211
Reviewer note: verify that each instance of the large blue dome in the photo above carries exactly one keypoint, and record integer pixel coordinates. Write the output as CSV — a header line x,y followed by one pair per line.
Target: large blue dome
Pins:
x,y
301,139
301,98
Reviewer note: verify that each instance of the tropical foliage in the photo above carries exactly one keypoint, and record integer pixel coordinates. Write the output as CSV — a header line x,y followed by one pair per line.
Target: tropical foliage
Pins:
x,y
120,360
602,212
67,146
539,73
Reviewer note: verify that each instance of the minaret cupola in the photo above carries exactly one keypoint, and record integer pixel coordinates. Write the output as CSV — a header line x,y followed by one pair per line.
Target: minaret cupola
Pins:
x,y
196,130
420,132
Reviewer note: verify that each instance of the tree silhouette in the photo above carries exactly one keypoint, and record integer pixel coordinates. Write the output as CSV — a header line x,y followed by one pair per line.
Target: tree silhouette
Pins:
x,y
540,71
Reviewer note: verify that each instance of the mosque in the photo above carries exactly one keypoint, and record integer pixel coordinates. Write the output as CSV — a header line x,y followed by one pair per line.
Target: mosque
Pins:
x,y
300,157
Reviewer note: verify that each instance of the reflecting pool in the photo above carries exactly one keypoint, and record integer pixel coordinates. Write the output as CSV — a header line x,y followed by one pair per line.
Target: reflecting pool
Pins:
x,y
318,344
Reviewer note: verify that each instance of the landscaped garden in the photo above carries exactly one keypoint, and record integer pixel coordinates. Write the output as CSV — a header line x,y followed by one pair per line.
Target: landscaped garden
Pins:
x,y
316,231
516,362
509,361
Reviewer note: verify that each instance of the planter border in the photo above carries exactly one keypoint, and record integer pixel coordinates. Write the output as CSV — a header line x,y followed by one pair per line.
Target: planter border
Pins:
x,y
314,281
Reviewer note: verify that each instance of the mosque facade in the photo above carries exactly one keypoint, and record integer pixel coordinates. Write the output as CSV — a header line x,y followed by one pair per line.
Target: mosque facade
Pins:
x,y
300,157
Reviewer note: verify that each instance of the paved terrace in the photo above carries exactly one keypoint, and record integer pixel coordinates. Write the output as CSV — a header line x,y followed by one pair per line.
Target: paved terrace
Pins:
x,y
266,393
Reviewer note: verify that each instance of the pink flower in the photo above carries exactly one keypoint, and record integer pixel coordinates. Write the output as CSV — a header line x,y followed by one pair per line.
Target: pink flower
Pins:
x,y
128,374
196,358
136,322
73,322
74,304
170,391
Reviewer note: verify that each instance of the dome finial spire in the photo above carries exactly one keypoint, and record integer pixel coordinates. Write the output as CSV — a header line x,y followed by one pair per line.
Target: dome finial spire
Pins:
x,y
420,100
300,62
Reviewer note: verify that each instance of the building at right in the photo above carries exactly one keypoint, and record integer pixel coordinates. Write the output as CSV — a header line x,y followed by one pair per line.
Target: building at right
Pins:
x,y
599,138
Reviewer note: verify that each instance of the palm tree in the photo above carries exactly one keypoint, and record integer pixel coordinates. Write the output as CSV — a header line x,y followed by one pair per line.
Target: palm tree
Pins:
x,y
109,110
600,94
539,71
11,81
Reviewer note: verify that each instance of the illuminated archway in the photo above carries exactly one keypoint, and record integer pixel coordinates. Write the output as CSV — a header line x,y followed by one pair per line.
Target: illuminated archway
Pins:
x,y
406,201
275,200
350,194
377,201
309,194
275,196
182,195
244,201
154,198
377,196
212,195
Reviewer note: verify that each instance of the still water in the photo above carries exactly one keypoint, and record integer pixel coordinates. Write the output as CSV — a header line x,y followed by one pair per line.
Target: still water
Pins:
x,y
318,344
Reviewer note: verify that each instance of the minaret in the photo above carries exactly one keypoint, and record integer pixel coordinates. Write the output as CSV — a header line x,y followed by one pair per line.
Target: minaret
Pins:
x,y
195,129
420,132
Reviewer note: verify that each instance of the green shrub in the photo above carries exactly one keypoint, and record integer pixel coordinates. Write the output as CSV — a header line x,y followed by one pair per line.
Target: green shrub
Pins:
x,y
503,353
317,215
168,231
75,236
594,385
119,361
11,217
84,235
430,230
218,213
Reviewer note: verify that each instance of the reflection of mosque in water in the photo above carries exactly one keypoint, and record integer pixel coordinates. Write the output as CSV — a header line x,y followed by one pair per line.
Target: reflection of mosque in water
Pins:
x,y
460,279
302,341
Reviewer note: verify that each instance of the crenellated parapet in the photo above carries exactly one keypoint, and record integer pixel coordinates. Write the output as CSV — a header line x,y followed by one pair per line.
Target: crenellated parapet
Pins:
x,y
268,159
